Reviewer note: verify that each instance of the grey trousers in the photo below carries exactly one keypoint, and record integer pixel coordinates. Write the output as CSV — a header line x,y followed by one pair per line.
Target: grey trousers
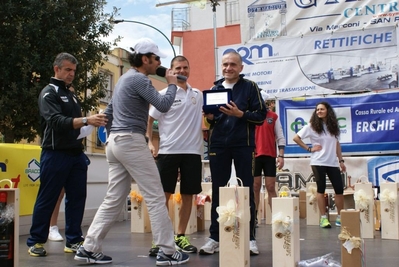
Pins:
x,y
129,158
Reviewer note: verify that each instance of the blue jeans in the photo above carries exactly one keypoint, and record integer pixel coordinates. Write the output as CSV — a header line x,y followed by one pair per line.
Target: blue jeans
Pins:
x,y
58,170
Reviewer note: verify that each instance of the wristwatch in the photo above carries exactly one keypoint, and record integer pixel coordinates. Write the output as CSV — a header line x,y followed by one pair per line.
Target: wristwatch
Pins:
x,y
84,120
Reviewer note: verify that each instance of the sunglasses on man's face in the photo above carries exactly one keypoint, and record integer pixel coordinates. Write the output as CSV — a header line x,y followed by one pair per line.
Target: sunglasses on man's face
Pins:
x,y
157,58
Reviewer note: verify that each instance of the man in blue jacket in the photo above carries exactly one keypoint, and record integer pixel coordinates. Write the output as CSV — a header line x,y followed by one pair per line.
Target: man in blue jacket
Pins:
x,y
233,139
63,164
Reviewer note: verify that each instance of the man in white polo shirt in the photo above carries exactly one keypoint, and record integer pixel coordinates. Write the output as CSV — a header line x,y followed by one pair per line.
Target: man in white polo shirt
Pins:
x,y
180,148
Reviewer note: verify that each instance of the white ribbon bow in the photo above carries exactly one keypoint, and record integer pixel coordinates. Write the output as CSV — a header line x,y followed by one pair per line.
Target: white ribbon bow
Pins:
x,y
312,194
281,223
388,195
351,242
227,214
362,199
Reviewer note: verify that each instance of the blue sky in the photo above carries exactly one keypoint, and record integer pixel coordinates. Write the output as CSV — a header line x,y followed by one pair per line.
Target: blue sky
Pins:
x,y
144,11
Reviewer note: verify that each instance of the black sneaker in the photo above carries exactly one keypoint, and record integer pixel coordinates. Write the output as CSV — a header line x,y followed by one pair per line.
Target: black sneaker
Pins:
x,y
37,250
176,258
153,250
182,243
72,248
91,257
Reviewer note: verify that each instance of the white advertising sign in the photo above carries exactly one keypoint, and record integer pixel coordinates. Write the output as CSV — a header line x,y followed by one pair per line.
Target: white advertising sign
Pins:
x,y
323,63
267,19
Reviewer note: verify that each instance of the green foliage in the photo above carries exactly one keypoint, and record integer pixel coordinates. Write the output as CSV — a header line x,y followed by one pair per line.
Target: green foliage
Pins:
x,y
32,33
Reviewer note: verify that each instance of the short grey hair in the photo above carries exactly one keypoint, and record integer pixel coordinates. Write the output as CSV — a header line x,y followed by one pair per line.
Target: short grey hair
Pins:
x,y
59,59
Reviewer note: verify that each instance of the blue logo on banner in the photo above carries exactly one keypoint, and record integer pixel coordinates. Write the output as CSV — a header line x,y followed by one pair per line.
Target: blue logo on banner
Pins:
x,y
102,134
255,52
383,169
3,167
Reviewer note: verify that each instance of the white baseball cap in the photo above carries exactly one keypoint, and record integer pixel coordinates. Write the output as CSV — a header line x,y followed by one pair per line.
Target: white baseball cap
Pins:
x,y
146,45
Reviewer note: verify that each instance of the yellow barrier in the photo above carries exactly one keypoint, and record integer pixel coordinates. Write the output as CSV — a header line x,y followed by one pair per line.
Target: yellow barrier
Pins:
x,y
20,163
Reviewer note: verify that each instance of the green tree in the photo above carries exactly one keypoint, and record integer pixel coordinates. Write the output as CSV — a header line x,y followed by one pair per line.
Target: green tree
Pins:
x,y
32,33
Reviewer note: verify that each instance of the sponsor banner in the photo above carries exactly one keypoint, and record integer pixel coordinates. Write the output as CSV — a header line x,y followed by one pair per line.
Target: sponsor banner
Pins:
x,y
20,164
267,19
383,169
376,170
322,64
369,122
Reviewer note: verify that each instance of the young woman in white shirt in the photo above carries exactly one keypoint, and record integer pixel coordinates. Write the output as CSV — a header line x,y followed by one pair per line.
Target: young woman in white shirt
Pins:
x,y
326,156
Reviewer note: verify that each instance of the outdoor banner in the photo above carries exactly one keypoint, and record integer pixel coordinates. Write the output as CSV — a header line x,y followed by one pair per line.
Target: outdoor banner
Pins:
x,y
376,170
369,122
267,19
20,164
320,64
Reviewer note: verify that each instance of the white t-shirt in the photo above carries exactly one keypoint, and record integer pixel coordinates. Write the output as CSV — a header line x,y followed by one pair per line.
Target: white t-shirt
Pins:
x,y
228,85
180,129
327,156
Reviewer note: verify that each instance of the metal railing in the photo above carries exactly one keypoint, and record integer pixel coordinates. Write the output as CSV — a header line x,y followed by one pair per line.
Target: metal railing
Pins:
x,y
181,19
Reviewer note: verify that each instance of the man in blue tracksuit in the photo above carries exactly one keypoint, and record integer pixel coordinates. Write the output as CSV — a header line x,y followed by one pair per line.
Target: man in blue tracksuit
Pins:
x,y
233,138
62,161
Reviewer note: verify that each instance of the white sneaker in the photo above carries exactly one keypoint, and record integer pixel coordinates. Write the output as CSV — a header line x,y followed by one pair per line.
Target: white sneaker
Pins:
x,y
253,248
54,234
210,247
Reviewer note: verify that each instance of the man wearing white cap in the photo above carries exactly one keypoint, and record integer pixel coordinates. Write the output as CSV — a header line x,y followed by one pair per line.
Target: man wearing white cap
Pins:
x,y
129,157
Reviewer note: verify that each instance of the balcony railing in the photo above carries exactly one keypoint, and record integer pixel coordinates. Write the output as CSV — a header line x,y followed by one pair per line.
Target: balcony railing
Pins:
x,y
180,19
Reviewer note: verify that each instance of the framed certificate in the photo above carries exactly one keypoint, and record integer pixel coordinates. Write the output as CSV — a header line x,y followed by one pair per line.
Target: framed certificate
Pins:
x,y
214,99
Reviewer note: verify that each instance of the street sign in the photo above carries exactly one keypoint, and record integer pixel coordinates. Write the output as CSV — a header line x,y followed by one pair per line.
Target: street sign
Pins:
x,y
102,134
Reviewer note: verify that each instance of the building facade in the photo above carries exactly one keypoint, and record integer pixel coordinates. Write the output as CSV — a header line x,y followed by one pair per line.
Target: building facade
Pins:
x,y
199,32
